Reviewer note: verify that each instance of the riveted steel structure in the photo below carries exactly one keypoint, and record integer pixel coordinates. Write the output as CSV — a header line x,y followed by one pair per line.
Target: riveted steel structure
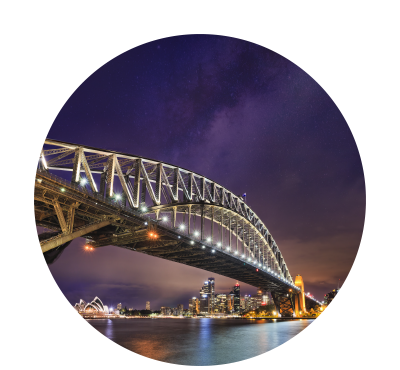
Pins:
x,y
188,218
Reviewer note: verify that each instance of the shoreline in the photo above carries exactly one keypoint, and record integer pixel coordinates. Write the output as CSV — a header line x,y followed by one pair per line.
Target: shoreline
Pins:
x,y
219,318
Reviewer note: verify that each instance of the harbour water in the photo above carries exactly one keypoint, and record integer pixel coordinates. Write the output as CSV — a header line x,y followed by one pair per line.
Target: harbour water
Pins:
x,y
199,341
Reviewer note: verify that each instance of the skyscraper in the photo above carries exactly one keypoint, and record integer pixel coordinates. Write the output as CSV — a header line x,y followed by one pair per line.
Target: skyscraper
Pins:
x,y
180,309
194,306
119,306
207,296
148,305
236,297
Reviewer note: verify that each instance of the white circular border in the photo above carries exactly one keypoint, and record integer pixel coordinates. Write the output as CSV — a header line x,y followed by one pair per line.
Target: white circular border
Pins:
x,y
341,109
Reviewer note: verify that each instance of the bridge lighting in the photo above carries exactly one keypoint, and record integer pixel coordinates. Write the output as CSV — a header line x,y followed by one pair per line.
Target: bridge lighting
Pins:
x,y
196,233
208,240
191,242
213,250
144,209
243,256
203,247
227,248
118,196
145,223
83,181
165,218
182,226
219,244
236,252
257,270
62,189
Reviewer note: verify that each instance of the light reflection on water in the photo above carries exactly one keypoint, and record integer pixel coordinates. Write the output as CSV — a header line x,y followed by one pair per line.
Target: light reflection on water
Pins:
x,y
199,341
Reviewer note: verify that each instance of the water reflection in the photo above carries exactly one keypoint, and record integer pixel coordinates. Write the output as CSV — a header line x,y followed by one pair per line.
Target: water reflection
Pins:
x,y
199,341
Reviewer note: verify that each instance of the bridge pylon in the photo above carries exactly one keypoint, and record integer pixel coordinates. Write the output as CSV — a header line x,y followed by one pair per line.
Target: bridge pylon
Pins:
x,y
300,301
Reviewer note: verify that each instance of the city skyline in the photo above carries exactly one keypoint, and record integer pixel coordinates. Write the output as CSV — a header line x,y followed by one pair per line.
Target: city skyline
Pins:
x,y
192,99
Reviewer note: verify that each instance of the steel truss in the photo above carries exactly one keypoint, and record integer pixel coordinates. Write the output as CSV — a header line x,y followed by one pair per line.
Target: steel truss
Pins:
x,y
172,190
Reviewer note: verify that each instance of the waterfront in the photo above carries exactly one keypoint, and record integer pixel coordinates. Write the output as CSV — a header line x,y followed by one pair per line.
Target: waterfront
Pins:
x,y
199,341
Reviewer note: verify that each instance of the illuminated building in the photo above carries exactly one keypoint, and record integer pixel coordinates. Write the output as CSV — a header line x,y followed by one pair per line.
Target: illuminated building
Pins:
x,y
242,304
95,307
220,305
259,298
148,305
229,302
166,311
180,310
119,306
207,296
194,306
236,297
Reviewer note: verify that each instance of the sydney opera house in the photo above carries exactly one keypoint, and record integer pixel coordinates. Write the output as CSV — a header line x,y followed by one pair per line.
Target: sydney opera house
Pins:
x,y
95,307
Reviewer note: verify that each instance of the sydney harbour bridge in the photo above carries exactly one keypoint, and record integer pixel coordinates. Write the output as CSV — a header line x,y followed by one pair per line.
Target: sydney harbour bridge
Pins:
x,y
159,209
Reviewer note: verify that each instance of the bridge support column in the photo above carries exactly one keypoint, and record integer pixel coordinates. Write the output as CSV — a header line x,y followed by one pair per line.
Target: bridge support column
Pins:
x,y
189,218
237,235
174,217
63,238
222,228
212,225
202,223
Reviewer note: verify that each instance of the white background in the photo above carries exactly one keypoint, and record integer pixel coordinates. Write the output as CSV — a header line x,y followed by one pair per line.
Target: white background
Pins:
x,y
19,18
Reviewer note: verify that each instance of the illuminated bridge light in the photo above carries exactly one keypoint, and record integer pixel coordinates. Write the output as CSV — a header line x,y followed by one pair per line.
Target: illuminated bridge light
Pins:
x,y
219,244
213,250
165,219
62,189
117,196
83,182
145,223
181,226
191,242
208,240
144,209
227,248
203,246
196,233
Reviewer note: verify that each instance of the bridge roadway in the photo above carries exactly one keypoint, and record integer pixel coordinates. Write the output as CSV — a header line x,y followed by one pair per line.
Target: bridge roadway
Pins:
x,y
170,244
72,210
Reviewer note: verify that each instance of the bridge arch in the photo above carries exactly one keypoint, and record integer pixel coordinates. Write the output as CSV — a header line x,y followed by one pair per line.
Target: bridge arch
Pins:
x,y
170,189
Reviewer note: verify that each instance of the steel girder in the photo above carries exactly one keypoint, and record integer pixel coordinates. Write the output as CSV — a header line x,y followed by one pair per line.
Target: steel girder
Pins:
x,y
178,186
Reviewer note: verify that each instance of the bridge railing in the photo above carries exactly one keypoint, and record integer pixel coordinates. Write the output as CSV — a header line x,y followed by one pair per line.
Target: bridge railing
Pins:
x,y
146,218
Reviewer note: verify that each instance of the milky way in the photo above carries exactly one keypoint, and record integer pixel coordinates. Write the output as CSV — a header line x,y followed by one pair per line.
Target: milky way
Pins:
x,y
242,116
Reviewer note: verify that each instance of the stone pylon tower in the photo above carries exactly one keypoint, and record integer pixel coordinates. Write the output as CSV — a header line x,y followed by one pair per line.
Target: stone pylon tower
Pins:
x,y
300,299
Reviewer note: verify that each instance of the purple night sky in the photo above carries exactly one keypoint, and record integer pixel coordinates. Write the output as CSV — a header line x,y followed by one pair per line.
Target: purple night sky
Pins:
x,y
244,117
